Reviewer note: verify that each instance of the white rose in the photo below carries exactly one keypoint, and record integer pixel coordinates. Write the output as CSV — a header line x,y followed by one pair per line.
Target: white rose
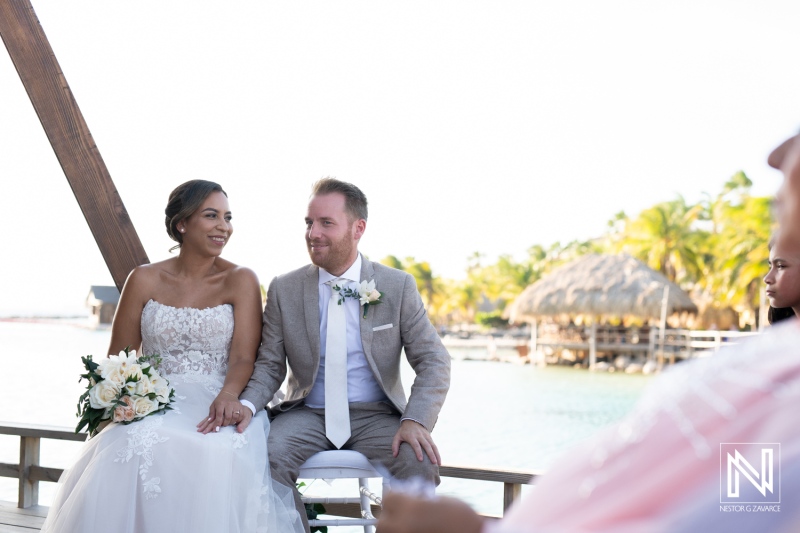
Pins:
x,y
374,295
143,406
116,377
162,394
144,386
103,394
109,366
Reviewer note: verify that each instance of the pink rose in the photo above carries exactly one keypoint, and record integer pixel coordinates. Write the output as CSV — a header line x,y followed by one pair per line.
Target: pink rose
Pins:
x,y
124,413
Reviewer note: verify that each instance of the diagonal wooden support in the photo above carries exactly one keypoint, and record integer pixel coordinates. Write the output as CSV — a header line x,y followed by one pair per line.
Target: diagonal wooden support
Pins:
x,y
70,138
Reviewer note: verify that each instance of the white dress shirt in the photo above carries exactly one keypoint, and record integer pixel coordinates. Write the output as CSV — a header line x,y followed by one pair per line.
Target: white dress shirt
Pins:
x,y
361,383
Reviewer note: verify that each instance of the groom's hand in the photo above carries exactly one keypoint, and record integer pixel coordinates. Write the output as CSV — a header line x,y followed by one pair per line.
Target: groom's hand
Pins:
x,y
419,439
247,416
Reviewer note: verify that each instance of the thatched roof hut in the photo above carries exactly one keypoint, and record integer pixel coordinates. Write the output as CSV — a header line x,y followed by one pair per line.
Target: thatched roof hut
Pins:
x,y
600,285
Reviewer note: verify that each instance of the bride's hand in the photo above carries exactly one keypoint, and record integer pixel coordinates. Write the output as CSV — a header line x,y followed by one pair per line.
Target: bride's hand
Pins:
x,y
224,411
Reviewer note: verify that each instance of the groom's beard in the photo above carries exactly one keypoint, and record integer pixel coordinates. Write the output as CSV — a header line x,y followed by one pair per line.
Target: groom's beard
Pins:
x,y
333,256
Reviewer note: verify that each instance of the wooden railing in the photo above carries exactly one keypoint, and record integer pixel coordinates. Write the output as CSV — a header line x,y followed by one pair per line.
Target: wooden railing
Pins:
x,y
677,343
512,480
29,472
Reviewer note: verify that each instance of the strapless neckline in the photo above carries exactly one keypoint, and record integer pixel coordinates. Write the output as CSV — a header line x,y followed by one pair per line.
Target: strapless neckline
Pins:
x,y
156,302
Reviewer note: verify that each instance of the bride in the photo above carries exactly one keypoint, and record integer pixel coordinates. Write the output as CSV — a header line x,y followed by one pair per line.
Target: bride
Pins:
x,y
189,469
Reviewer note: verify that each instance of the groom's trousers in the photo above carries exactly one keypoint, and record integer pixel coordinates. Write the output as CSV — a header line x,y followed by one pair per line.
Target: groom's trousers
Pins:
x,y
299,433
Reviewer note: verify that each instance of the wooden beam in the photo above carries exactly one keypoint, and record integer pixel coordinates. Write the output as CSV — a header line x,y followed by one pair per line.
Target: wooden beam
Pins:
x,y
488,474
9,470
70,138
37,430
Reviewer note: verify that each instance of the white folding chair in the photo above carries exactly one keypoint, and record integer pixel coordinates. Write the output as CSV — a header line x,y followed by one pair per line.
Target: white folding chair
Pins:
x,y
342,464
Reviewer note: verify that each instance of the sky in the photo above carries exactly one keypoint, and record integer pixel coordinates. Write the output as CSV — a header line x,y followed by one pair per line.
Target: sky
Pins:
x,y
471,126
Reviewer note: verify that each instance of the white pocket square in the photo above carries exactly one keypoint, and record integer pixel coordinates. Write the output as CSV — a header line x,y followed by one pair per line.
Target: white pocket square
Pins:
x,y
385,326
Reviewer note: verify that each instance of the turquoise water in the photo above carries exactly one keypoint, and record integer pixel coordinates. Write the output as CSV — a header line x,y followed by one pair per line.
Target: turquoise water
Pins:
x,y
498,415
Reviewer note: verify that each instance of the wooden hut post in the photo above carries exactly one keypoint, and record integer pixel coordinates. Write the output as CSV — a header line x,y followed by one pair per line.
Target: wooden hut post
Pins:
x,y
663,325
593,344
534,340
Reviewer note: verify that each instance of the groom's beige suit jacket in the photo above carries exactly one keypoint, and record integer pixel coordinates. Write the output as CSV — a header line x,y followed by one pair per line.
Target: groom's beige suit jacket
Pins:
x,y
290,342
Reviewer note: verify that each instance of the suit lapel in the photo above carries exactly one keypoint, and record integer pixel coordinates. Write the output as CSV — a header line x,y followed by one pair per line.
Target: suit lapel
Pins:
x,y
367,273
311,309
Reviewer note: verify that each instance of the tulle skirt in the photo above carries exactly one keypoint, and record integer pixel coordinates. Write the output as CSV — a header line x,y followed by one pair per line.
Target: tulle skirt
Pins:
x,y
160,475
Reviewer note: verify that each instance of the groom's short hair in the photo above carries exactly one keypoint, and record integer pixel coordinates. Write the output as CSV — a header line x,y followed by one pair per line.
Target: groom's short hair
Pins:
x,y
355,201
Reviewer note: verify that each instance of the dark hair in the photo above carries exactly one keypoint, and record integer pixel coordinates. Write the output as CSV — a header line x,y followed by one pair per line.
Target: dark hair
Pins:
x,y
185,200
777,314
355,201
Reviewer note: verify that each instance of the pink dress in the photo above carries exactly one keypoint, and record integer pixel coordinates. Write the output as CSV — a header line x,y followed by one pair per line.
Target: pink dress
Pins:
x,y
664,468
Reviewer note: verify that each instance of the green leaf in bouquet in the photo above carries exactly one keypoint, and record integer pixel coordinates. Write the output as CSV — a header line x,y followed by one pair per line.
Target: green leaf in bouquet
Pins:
x,y
89,364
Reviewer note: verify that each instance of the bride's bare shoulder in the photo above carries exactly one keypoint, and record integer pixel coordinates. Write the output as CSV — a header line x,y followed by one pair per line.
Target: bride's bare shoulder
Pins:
x,y
157,269
145,277
237,277
242,276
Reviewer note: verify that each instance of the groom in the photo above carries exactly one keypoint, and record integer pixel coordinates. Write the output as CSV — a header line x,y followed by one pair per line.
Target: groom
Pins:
x,y
343,358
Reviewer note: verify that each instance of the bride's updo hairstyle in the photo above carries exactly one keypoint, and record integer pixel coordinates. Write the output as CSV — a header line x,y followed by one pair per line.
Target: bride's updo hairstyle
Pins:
x,y
185,200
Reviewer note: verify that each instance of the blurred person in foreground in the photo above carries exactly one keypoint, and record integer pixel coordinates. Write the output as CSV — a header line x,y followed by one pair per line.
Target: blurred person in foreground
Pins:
x,y
674,461
783,280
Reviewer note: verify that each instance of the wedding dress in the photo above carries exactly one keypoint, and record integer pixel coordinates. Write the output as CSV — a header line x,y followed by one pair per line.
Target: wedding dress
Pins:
x,y
159,474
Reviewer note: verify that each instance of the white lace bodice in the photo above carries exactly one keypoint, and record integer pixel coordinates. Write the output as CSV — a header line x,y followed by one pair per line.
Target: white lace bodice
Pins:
x,y
189,341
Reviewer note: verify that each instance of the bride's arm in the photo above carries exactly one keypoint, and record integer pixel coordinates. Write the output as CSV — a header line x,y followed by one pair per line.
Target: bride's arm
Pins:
x,y
126,328
226,408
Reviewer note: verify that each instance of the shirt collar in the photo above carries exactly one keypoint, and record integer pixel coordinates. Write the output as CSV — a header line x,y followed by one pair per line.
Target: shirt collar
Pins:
x,y
353,273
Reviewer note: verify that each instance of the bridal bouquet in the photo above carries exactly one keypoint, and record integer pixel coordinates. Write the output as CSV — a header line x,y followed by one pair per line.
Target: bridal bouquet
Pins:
x,y
122,389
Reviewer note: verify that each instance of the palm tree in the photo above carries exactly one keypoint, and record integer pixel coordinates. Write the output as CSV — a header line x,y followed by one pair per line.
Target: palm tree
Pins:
x,y
741,252
393,262
428,285
665,237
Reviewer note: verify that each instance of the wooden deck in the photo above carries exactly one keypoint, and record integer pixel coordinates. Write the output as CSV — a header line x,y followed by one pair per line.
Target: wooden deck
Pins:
x,y
26,515
16,520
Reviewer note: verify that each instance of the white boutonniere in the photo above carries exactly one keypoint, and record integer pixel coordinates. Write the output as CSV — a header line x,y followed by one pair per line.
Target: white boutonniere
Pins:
x,y
366,294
